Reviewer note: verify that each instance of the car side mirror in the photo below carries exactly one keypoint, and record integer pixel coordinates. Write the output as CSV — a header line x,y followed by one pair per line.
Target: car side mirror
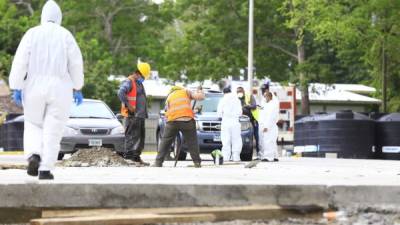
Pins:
x,y
120,117
198,109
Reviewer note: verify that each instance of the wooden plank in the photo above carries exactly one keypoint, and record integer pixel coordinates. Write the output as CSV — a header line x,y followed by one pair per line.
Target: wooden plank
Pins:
x,y
221,213
9,166
172,210
110,219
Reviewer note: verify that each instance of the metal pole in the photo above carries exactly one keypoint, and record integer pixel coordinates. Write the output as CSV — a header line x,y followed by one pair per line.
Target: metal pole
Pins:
x,y
250,50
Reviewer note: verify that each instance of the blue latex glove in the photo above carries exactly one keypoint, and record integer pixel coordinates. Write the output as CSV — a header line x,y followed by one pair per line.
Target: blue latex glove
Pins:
x,y
140,80
17,97
78,97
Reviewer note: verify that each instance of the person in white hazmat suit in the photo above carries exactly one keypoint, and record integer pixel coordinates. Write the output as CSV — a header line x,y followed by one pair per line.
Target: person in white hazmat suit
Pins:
x,y
230,109
47,72
268,120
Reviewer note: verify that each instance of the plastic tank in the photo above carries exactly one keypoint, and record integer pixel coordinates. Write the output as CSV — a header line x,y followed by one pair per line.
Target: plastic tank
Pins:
x,y
299,132
306,133
343,134
2,136
388,136
13,131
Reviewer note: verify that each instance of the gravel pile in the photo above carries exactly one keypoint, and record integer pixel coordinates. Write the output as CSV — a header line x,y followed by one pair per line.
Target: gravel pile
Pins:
x,y
94,157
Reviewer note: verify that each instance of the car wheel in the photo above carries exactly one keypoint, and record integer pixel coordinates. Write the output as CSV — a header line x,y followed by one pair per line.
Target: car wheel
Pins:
x,y
60,156
177,147
246,156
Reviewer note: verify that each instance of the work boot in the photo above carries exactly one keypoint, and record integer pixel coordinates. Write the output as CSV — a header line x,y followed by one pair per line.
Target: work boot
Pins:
x,y
33,165
197,165
140,163
144,163
45,175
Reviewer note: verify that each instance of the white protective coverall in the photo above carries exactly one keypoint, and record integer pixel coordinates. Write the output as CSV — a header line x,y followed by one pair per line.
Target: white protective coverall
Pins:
x,y
269,116
230,109
47,67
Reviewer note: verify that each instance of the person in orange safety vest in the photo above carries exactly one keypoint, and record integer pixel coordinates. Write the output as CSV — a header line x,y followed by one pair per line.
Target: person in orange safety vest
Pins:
x,y
180,118
134,109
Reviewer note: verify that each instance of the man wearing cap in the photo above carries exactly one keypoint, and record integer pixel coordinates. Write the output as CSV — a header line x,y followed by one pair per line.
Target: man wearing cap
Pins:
x,y
134,109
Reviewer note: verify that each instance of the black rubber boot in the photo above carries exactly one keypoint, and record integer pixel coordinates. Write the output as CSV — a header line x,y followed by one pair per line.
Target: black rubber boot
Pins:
x,y
45,175
33,165
144,163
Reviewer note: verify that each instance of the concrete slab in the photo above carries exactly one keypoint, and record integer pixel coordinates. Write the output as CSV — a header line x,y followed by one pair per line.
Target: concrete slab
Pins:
x,y
292,181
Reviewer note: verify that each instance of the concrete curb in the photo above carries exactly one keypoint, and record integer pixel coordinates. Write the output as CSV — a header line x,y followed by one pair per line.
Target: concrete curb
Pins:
x,y
160,195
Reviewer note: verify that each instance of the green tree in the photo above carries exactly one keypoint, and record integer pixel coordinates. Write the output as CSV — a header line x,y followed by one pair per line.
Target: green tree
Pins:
x,y
365,34
14,21
208,39
112,35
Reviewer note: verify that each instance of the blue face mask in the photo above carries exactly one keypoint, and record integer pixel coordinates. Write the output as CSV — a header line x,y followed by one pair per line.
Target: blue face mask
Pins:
x,y
140,80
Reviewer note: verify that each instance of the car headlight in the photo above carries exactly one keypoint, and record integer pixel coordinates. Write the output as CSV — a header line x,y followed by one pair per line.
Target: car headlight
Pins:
x,y
118,130
69,131
197,125
245,125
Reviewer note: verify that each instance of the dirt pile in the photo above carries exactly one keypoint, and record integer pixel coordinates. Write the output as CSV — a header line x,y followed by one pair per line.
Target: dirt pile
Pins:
x,y
6,105
94,157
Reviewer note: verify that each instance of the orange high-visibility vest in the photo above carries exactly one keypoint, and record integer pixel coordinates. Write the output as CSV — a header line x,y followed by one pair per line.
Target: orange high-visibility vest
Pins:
x,y
131,96
179,105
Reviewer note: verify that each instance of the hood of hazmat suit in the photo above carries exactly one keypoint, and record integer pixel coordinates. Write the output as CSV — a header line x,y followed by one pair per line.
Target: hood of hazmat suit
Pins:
x,y
51,12
47,67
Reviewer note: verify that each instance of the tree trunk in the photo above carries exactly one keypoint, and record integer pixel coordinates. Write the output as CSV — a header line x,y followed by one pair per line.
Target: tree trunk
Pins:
x,y
305,101
108,29
384,79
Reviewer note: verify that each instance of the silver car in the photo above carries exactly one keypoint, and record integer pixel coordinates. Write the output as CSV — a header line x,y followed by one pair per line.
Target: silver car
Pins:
x,y
92,124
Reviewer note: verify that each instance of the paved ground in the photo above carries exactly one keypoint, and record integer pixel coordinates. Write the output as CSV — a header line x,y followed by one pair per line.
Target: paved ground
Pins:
x,y
289,171
292,181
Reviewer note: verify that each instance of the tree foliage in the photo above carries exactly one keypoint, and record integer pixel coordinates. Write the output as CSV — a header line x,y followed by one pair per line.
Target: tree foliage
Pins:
x,y
296,41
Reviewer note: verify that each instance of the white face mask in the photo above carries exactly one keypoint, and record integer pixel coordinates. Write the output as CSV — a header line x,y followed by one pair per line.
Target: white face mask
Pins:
x,y
240,95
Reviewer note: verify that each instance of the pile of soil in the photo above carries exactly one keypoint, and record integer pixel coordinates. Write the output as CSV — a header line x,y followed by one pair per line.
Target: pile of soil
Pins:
x,y
6,105
95,157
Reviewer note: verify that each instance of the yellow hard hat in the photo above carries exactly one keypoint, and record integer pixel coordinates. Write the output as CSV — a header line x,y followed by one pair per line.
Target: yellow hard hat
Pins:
x,y
175,88
144,69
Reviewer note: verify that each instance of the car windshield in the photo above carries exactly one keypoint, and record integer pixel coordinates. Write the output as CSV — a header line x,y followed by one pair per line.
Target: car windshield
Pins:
x,y
209,104
91,110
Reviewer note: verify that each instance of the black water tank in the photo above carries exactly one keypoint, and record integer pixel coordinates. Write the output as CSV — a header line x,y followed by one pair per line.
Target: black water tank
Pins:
x,y
13,134
388,136
300,138
344,133
306,133
2,136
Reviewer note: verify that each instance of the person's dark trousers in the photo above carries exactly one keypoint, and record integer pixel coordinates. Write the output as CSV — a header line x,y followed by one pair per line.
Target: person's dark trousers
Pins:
x,y
255,131
134,137
188,129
